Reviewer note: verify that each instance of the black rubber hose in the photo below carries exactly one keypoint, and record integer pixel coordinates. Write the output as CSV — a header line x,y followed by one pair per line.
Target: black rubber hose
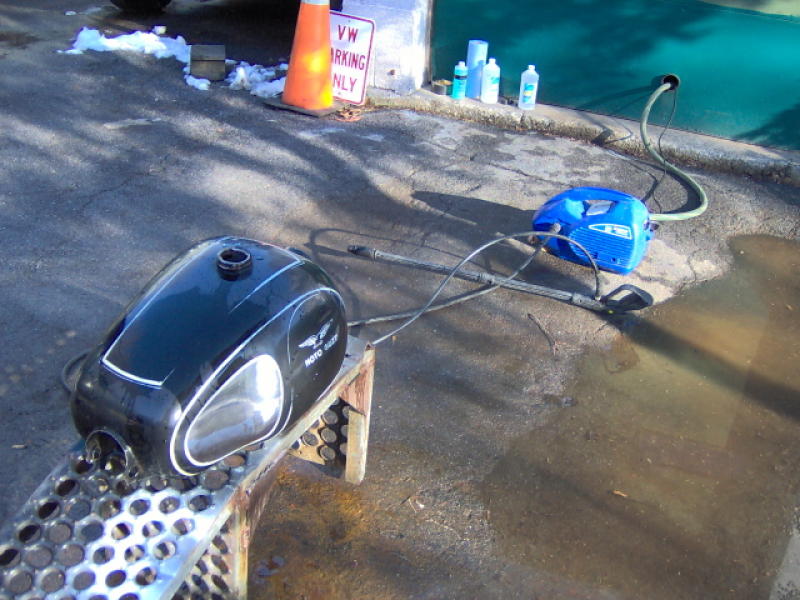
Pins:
x,y
525,234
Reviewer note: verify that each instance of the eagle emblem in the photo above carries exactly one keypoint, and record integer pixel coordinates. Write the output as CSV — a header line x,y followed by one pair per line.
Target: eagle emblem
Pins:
x,y
315,341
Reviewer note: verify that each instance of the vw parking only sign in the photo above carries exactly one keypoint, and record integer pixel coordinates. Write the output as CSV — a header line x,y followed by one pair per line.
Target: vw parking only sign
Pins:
x,y
351,52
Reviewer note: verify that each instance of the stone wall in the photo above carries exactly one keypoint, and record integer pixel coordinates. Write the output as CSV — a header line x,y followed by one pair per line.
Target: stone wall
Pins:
x,y
402,41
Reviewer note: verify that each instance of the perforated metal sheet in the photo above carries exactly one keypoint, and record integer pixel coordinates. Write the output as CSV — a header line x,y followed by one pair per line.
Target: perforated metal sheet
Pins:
x,y
90,533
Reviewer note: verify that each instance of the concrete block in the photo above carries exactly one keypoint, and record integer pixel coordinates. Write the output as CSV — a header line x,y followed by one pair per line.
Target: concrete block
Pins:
x,y
207,62
402,39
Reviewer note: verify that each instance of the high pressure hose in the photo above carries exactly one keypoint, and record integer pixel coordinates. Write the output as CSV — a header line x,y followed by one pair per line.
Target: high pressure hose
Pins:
x,y
670,82
679,216
414,315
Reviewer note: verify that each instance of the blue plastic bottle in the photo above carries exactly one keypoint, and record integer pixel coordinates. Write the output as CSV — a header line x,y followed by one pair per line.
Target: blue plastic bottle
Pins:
x,y
477,51
460,73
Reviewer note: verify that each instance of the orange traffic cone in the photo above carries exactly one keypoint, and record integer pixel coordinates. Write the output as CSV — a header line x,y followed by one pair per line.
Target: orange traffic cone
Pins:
x,y
308,82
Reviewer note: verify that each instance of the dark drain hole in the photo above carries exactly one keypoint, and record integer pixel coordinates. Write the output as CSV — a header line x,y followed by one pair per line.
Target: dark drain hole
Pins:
x,y
48,510
8,556
115,578
29,533
66,487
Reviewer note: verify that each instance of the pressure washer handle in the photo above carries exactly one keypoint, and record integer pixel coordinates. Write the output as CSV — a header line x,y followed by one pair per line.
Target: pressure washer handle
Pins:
x,y
362,251
627,298
617,301
467,275
374,254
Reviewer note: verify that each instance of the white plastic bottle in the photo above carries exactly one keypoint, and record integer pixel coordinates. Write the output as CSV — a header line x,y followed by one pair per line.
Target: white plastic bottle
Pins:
x,y
490,82
529,85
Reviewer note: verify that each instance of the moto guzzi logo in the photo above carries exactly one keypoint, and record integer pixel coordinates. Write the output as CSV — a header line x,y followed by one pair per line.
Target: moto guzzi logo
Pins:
x,y
318,344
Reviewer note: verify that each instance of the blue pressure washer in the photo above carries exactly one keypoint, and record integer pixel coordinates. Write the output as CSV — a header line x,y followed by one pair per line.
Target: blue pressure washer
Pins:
x,y
602,228
613,227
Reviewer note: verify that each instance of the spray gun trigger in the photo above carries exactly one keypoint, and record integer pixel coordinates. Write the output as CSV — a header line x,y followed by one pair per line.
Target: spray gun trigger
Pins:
x,y
627,298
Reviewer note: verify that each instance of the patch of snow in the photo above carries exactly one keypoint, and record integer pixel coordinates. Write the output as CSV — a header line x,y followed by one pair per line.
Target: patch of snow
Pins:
x,y
138,41
268,89
198,84
259,80
70,13
239,78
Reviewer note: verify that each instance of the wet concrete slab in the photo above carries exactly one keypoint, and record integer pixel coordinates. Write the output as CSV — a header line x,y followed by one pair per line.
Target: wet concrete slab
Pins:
x,y
668,469
675,475
469,403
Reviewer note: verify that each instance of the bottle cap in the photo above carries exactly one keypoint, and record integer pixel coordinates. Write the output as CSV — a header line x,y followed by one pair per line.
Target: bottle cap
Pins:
x,y
491,61
461,63
531,67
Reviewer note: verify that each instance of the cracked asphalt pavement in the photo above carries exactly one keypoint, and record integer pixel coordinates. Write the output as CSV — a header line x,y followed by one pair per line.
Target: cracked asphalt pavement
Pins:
x,y
91,208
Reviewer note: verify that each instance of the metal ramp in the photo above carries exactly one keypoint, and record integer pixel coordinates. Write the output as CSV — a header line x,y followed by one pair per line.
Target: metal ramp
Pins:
x,y
88,532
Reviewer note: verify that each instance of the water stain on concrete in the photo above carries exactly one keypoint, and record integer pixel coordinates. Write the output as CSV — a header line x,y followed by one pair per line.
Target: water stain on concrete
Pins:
x,y
324,539
675,474
16,39
300,546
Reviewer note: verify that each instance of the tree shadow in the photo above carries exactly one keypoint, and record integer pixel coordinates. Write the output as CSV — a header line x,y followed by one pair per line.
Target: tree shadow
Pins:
x,y
90,212
780,130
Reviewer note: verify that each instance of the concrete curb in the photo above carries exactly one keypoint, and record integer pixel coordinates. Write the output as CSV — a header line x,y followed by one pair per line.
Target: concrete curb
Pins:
x,y
621,135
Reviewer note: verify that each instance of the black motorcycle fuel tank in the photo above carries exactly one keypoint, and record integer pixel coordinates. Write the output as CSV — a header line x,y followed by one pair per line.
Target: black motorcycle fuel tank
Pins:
x,y
228,345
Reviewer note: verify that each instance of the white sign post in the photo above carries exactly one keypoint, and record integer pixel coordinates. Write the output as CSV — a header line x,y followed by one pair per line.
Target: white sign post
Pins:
x,y
351,51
